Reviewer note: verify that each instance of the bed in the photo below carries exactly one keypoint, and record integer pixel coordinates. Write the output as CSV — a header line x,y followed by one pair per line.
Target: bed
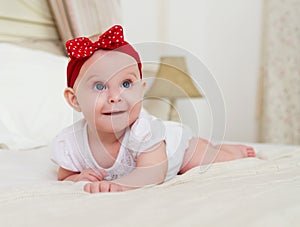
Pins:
x,y
261,191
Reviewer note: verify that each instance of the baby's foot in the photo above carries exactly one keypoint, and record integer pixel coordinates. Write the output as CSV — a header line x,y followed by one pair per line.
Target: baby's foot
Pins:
x,y
230,152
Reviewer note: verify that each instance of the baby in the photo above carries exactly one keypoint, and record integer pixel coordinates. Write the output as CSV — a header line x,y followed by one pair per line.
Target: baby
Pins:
x,y
117,146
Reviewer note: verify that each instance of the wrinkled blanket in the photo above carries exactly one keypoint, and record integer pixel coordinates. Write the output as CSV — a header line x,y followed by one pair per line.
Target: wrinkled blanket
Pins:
x,y
262,191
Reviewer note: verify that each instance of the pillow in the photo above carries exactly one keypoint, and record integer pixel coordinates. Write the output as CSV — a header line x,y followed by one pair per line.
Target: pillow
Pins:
x,y
32,106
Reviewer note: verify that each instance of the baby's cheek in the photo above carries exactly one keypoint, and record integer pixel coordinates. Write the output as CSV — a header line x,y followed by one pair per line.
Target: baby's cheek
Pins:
x,y
133,97
100,100
91,105
134,104
135,112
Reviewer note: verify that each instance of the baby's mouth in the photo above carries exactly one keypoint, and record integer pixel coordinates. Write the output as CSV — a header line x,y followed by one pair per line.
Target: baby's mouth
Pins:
x,y
114,113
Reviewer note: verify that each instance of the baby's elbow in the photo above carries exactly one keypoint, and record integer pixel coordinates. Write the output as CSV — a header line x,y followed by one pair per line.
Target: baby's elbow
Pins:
x,y
60,178
63,174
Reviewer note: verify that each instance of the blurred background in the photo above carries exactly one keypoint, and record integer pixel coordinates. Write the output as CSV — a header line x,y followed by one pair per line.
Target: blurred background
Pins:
x,y
251,48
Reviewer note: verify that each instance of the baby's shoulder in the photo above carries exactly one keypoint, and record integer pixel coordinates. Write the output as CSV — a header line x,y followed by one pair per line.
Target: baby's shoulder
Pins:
x,y
145,132
146,125
72,132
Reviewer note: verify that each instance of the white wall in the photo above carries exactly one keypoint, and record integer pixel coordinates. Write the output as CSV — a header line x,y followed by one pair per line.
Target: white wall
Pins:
x,y
225,35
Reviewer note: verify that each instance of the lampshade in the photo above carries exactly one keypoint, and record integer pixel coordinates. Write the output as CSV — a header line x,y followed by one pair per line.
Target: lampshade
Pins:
x,y
172,80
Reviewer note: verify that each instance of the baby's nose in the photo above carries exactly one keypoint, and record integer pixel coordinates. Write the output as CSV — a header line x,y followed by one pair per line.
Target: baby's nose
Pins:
x,y
114,97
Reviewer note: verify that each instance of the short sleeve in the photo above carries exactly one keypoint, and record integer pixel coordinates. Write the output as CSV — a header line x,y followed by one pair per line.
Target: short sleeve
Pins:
x,y
145,133
62,153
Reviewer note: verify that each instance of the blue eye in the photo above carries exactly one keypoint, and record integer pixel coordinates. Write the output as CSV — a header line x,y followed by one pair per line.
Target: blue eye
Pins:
x,y
126,84
99,87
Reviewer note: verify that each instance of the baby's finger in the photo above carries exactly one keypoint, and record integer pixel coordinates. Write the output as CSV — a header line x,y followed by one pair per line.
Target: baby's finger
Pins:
x,y
87,178
100,174
115,188
87,187
91,187
103,173
94,173
93,178
104,186
94,188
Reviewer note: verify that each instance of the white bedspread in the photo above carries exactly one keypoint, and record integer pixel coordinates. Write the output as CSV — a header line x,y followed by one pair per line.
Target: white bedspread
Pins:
x,y
263,191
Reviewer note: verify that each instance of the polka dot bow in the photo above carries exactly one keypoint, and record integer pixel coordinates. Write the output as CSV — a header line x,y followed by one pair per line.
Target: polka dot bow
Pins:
x,y
83,47
80,49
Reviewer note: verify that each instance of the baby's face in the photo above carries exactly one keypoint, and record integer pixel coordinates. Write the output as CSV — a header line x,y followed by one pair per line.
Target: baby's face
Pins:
x,y
109,91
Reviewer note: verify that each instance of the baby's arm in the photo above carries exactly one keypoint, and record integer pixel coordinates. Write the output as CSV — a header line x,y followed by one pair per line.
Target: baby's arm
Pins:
x,y
151,168
86,175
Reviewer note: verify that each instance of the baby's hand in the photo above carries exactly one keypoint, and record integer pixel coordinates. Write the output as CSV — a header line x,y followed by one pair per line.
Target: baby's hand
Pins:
x,y
102,186
91,175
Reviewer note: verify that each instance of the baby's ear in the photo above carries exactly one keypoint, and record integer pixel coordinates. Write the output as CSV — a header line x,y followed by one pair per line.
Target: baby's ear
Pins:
x,y
72,99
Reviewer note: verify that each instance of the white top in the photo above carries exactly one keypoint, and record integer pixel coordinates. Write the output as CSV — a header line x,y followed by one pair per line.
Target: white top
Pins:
x,y
71,148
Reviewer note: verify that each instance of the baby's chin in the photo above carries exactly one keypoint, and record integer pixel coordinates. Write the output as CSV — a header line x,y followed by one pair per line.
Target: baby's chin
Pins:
x,y
114,127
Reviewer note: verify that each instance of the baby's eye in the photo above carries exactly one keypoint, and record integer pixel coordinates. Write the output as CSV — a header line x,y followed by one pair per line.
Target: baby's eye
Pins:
x,y
126,84
99,87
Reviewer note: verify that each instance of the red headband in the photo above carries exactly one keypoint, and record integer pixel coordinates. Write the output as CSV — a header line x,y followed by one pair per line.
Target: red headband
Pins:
x,y
80,49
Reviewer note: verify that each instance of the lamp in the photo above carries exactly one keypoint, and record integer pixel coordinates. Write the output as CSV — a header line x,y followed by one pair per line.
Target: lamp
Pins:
x,y
173,82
